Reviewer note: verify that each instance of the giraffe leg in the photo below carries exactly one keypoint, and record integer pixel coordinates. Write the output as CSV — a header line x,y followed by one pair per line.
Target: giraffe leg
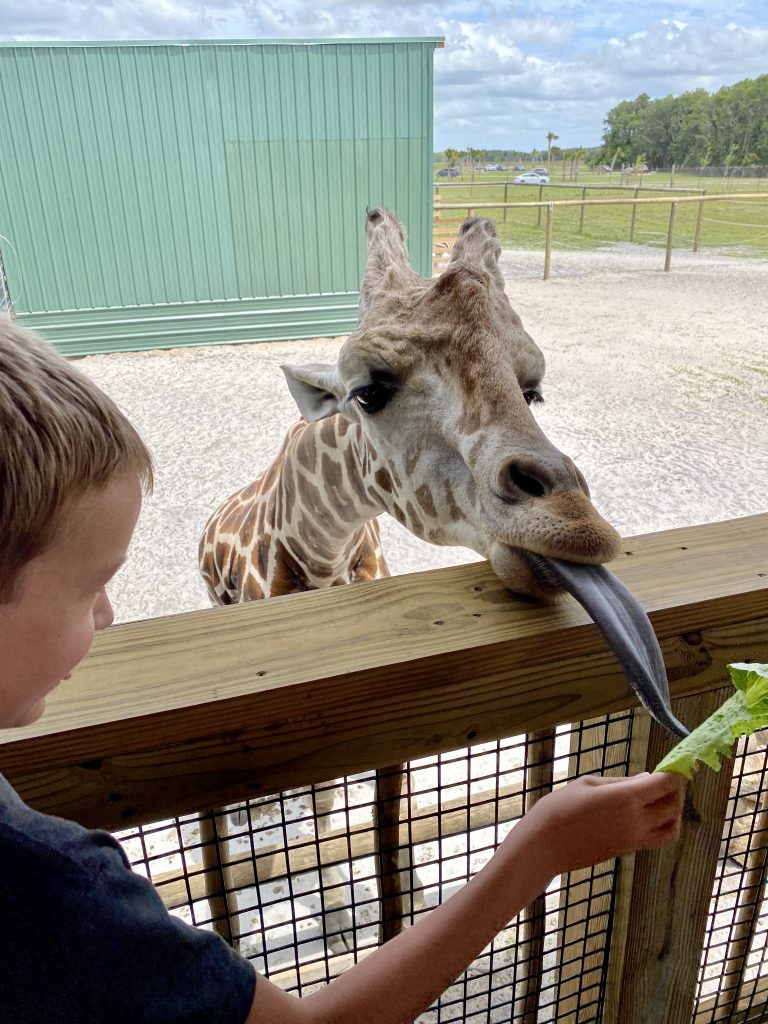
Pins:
x,y
338,923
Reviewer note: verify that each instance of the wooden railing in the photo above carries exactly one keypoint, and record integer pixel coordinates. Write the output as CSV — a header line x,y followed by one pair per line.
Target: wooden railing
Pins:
x,y
445,231
170,715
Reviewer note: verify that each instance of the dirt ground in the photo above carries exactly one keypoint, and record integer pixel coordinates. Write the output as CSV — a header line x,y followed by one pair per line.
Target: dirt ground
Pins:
x,y
657,386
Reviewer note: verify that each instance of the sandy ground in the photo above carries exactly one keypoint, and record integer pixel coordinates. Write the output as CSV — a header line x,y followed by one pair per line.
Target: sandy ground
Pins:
x,y
657,385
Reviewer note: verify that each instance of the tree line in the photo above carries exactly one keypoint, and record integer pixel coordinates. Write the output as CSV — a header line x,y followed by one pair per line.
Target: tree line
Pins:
x,y
696,129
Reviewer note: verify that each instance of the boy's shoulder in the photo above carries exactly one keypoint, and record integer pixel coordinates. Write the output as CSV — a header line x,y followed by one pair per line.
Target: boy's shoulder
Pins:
x,y
53,851
86,927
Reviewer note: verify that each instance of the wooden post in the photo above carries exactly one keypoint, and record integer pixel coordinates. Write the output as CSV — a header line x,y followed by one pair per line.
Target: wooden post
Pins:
x,y
548,242
538,219
697,233
670,232
540,760
389,785
506,188
581,215
222,899
634,216
664,915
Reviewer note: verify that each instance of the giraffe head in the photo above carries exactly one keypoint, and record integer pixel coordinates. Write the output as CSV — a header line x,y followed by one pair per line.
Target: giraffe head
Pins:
x,y
440,377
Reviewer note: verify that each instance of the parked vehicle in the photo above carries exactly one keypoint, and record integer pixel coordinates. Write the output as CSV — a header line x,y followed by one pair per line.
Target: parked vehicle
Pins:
x,y
541,170
532,178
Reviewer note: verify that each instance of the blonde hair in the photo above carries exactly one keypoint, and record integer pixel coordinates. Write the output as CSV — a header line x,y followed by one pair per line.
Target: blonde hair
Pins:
x,y
59,436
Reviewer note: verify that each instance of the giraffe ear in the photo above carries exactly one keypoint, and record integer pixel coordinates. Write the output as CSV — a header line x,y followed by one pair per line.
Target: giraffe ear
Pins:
x,y
314,388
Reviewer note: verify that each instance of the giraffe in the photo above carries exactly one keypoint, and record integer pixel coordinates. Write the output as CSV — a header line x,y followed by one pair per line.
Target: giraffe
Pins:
x,y
427,415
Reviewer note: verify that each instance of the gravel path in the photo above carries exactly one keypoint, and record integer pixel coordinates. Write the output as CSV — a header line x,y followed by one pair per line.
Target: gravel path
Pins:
x,y
657,385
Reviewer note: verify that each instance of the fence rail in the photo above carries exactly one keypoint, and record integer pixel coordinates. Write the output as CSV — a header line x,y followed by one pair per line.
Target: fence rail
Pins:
x,y
442,242
210,708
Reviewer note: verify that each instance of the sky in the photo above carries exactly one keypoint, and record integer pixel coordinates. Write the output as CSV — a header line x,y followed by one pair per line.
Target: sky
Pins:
x,y
509,73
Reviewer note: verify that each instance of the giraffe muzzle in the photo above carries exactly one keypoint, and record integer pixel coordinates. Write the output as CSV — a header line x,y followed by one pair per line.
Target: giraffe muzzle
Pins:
x,y
625,626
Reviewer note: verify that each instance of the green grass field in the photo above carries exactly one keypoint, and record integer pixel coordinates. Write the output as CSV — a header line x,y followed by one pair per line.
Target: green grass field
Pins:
x,y
739,227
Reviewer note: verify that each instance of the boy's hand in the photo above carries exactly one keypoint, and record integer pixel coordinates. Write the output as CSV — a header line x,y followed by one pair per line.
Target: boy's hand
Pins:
x,y
594,819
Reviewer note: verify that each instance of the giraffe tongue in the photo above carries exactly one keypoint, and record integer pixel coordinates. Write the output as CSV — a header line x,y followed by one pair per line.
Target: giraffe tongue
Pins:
x,y
626,628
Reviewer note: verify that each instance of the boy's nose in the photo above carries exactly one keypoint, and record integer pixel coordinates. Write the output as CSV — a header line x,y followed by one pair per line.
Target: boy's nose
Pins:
x,y
104,614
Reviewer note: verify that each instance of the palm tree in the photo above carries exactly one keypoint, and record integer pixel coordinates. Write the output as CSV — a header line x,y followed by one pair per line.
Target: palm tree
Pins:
x,y
576,157
550,139
473,155
618,153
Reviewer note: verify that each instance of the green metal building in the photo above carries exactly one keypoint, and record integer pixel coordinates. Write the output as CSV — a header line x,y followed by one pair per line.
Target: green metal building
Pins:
x,y
182,193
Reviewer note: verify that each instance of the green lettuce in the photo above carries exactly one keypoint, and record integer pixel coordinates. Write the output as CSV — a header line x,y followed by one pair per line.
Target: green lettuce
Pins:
x,y
741,715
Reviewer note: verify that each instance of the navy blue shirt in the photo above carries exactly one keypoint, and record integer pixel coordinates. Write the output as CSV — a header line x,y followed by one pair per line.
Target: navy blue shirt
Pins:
x,y
83,939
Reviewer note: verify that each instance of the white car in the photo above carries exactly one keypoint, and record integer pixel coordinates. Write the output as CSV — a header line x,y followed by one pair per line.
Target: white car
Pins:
x,y
531,178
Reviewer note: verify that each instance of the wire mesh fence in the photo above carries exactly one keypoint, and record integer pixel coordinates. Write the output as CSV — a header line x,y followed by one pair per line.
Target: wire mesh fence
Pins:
x,y
733,978
292,881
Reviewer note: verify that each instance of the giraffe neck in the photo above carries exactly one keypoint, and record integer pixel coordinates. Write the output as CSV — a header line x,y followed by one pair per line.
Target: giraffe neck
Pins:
x,y
323,498
309,522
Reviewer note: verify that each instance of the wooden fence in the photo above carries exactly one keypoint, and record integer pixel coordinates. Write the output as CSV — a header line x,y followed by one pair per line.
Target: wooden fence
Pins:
x,y
444,232
208,708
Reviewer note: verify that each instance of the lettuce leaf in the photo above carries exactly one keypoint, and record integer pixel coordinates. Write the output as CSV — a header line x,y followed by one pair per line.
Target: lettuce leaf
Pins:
x,y
741,715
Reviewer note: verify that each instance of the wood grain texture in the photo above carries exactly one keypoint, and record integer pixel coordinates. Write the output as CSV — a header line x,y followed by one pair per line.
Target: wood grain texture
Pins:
x,y
169,715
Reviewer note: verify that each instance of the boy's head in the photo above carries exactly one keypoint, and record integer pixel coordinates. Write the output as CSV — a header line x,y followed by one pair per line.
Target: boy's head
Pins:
x,y
72,469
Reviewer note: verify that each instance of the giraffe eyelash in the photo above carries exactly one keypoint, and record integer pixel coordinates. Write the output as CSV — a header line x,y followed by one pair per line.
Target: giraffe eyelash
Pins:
x,y
372,398
533,397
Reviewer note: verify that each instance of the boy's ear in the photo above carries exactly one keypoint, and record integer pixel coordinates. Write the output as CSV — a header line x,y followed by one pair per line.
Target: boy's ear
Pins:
x,y
316,389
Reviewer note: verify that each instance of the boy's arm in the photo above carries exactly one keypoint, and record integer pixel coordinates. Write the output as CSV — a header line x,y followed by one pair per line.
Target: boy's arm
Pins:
x,y
586,822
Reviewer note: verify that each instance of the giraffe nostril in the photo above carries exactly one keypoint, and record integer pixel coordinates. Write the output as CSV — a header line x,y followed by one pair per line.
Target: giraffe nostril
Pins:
x,y
524,476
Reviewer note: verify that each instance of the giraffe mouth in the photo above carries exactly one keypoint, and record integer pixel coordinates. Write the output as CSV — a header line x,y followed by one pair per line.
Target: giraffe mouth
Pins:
x,y
625,626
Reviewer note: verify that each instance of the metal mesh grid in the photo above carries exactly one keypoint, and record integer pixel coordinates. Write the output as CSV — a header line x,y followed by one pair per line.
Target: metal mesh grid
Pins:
x,y
228,870
291,880
733,978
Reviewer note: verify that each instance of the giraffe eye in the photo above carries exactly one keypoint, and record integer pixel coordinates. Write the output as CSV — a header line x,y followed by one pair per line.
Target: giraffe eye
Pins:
x,y
532,396
373,397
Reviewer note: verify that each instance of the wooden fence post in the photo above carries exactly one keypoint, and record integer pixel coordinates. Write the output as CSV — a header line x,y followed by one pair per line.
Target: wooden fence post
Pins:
x,y
548,243
506,188
581,215
697,233
670,232
538,219
663,916
632,221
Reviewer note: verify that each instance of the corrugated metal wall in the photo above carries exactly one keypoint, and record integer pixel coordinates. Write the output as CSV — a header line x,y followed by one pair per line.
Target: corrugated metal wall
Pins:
x,y
189,193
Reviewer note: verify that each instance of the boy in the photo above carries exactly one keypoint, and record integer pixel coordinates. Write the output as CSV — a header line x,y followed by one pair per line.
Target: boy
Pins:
x,y
87,940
